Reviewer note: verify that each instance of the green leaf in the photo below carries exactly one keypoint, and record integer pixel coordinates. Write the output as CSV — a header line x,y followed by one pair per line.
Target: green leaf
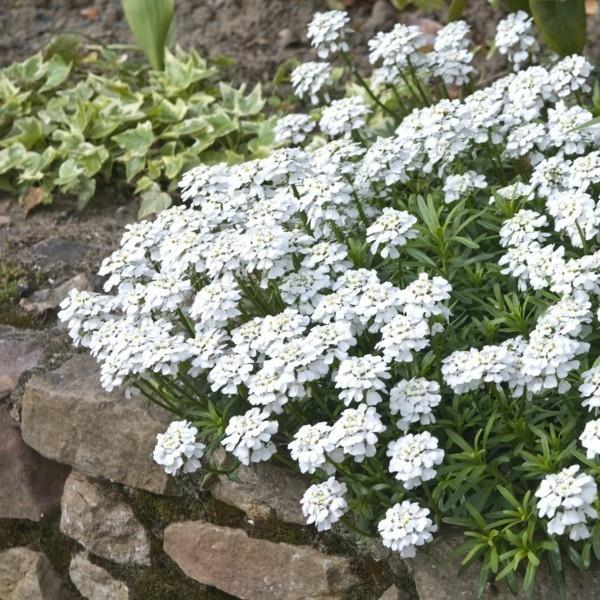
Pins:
x,y
241,105
57,71
457,8
28,132
194,127
153,201
562,23
138,140
11,157
150,21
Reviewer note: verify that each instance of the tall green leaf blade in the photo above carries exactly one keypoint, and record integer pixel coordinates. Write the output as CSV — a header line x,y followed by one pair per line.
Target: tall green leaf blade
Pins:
x,y
562,23
150,21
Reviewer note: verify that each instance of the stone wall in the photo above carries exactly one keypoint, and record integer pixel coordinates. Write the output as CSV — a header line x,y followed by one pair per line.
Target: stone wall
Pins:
x,y
85,513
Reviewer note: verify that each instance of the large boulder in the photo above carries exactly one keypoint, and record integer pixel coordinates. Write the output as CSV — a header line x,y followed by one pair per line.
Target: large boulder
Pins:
x,y
31,486
27,575
68,417
102,523
263,491
255,569
94,582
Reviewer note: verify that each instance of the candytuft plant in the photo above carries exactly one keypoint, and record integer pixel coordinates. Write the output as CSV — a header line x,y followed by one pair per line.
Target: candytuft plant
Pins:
x,y
402,303
70,122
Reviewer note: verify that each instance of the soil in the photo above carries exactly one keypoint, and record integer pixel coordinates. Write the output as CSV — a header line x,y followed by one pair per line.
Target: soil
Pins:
x,y
258,34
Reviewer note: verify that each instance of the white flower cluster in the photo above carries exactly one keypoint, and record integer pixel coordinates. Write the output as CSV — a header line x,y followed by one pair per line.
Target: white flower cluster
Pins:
x,y
323,504
293,129
413,458
327,32
282,287
177,449
403,49
515,38
567,499
405,527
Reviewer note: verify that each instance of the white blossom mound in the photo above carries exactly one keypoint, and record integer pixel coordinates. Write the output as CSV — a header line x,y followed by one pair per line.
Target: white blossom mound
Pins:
x,y
300,299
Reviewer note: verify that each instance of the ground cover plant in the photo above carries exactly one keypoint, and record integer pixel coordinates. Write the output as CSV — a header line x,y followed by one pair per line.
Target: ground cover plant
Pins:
x,y
403,304
73,117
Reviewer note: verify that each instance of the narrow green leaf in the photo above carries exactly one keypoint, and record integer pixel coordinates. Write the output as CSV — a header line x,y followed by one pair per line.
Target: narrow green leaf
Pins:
x,y
150,21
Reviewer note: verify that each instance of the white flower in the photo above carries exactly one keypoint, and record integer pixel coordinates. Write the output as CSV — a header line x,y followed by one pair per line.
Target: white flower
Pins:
x,y
362,378
458,187
590,388
248,436
327,32
309,78
216,303
515,39
567,498
355,432
311,446
177,449
413,400
405,527
590,438
397,50
293,129
570,75
413,458
229,372
403,336
425,297
523,229
323,504
343,116
390,231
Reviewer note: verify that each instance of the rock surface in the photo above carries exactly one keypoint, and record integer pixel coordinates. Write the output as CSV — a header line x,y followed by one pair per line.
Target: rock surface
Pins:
x,y
68,417
27,575
392,593
94,582
20,350
254,569
102,523
49,298
264,491
31,486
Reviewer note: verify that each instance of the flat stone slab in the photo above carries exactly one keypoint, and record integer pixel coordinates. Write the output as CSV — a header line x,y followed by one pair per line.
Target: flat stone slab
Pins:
x,y
102,523
69,418
264,491
94,582
50,298
255,569
31,486
27,575
20,350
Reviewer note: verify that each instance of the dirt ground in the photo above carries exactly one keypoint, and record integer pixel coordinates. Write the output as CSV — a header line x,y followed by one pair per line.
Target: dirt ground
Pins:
x,y
258,34
54,244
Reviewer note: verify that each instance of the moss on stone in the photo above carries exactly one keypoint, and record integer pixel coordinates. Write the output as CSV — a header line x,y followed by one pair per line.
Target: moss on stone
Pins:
x,y
45,537
16,278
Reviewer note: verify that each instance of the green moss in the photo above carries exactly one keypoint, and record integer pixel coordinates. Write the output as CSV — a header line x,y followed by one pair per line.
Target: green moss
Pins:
x,y
14,278
43,537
